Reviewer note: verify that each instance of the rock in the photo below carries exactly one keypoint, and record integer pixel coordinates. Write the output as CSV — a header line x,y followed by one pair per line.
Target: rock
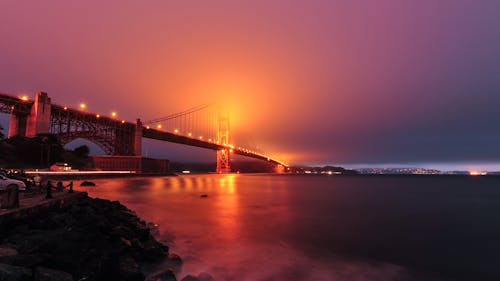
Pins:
x,y
93,239
129,269
6,251
28,260
14,273
154,229
174,262
47,274
87,183
190,278
167,275
205,277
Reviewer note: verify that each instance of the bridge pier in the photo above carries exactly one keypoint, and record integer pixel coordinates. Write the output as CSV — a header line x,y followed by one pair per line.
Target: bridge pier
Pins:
x,y
39,118
138,138
37,121
279,169
17,124
223,161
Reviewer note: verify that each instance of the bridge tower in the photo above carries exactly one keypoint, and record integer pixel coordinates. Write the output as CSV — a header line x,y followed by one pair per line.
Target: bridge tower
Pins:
x,y
34,122
138,138
223,139
39,118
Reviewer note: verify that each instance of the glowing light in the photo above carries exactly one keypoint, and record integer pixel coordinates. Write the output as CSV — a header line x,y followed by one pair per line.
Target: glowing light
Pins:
x,y
147,127
83,105
65,108
231,150
210,140
97,115
176,131
477,173
24,98
200,137
158,126
190,135
113,114
123,121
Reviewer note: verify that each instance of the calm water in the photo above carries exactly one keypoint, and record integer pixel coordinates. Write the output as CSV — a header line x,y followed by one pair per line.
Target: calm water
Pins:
x,y
280,227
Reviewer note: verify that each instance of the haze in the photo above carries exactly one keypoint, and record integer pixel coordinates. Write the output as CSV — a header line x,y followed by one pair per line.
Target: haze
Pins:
x,y
311,82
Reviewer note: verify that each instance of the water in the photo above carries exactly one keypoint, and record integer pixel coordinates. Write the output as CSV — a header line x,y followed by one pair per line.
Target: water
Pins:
x,y
286,227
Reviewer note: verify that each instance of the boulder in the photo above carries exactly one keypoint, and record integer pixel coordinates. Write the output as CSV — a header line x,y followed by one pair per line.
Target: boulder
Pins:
x,y
167,275
174,262
24,260
6,251
190,278
129,269
47,274
14,273
205,277
87,183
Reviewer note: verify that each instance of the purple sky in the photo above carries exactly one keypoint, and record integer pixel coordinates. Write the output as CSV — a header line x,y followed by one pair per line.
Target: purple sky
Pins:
x,y
312,82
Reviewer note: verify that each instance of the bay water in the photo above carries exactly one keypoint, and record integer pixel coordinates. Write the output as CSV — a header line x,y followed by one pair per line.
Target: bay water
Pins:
x,y
304,227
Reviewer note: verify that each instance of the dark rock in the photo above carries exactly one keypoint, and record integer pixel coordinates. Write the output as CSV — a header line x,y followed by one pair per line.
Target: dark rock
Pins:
x,y
93,239
87,183
167,275
154,229
47,274
6,251
205,277
190,278
129,269
14,273
28,260
153,250
174,262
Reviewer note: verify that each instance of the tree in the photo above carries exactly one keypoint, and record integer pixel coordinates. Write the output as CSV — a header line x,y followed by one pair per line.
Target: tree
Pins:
x,y
2,136
82,151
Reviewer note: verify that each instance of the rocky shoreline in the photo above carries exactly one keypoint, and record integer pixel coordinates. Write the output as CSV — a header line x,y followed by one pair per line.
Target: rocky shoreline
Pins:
x,y
93,239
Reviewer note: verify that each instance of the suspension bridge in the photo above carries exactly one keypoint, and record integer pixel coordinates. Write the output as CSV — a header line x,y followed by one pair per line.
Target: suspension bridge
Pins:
x,y
197,127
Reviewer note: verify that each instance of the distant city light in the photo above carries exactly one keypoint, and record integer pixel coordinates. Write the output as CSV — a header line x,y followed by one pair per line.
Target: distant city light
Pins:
x,y
97,115
158,126
83,105
123,121
200,137
113,114
147,127
176,131
24,98
65,108
190,135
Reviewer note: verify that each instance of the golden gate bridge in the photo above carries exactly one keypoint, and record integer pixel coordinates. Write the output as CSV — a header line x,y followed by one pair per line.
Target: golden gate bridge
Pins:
x,y
197,126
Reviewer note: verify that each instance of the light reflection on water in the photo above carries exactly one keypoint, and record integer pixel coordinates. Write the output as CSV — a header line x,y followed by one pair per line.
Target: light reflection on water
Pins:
x,y
270,227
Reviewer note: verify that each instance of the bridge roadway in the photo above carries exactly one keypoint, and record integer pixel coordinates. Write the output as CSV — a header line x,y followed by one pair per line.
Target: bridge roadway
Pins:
x,y
9,103
176,138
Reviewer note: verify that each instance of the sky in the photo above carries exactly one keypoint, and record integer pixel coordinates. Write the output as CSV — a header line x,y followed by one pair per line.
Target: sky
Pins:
x,y
310,82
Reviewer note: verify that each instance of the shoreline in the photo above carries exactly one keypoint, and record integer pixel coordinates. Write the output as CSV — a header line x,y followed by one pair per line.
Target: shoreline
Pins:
x,y
81,239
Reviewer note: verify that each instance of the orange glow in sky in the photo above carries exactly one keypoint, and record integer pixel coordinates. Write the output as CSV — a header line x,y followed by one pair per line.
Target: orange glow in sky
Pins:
x,y
306,81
